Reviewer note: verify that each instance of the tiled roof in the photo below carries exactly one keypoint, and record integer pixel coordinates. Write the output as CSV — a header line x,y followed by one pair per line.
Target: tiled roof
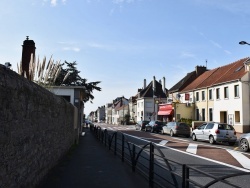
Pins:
x,y
189,78
218,75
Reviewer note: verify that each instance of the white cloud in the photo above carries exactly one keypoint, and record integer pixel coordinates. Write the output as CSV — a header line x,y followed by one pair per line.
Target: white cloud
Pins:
x,y
75,49
228,52
53,2
64,1
100,46
215,44
188,55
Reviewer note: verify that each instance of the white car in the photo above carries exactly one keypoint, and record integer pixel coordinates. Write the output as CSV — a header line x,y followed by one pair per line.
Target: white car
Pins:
x,y
215,132
244,141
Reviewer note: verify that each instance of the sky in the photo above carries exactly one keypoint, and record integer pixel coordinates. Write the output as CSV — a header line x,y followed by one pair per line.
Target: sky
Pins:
x,y
123,42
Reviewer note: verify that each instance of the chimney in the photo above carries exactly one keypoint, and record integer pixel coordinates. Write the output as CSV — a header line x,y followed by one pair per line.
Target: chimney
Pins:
x,y
28,50
200,70
163,85
144,84
154,88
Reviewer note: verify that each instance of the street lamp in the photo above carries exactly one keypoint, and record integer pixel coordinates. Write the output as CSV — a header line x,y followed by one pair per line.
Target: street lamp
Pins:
x,y
243,43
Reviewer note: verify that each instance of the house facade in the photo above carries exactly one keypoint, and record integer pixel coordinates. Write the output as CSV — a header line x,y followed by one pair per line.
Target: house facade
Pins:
x,y
221,95
116,111
100,114
149,98
74,95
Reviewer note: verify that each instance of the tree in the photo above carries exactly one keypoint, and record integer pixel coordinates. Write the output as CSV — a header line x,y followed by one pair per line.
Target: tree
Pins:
x,y
69,76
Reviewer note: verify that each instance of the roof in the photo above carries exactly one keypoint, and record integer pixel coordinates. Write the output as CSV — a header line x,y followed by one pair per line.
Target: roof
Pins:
x,y
188,79
148,91
227,73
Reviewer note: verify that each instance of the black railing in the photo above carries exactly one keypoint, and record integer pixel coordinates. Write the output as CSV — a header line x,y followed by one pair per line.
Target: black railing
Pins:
x,y
150,162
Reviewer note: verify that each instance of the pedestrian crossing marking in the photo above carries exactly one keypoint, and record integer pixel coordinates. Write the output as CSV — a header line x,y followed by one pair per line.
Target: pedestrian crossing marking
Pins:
x,y
242,159
163,142
192,148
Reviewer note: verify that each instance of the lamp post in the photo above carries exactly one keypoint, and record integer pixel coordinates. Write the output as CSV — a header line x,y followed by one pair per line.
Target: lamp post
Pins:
x,y
243,43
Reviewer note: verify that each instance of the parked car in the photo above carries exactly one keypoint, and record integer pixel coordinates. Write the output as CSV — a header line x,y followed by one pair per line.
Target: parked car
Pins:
x,y
176,128
215,132
155,126
244,141
140,125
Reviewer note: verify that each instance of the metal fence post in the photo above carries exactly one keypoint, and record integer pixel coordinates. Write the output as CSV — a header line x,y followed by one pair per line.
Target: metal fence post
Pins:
x,y
133,158
109,141
187,177
115,143
184,176
151,165
105,137
123,147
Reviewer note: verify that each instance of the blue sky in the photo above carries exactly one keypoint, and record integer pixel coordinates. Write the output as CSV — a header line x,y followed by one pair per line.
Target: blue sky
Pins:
x,y
122,42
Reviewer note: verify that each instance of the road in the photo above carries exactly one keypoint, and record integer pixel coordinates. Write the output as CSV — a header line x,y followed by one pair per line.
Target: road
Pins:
x,y
218,159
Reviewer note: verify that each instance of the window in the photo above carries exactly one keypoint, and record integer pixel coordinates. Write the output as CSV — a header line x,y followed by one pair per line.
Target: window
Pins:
x,y
226,94
203,95
210,94
218,93
237,116
203,114
178,116
209,126
236,91
210,114
197,96
197,115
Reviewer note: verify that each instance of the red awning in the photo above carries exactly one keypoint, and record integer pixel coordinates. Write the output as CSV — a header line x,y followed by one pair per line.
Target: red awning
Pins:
x,y
165,109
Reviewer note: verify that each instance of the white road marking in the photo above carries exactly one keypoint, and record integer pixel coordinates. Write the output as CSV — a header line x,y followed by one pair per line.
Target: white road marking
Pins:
x,y
163,142
218,162
242,159
181,139
192,148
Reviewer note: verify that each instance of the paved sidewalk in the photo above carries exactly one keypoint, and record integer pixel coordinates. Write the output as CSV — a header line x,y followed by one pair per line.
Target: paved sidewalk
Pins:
x,y
92,165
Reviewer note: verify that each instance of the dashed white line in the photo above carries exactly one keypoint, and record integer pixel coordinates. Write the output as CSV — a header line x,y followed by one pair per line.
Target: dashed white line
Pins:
x,y
242,159
192,148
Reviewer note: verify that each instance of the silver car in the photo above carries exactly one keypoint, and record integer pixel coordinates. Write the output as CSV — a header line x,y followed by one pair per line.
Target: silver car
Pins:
x,y
244,141
215,132
176,128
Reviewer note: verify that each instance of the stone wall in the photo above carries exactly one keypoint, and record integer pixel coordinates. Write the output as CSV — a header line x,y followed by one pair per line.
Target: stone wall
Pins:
x,y
36,130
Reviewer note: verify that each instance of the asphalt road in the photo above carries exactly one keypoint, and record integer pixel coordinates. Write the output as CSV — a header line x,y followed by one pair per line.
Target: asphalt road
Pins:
x,y
216,160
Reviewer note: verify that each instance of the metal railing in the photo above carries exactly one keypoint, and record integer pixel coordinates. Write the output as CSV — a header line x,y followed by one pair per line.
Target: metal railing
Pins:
x,y
148,159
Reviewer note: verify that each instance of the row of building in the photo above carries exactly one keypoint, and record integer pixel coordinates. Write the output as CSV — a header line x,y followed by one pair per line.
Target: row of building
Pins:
x,y
221,94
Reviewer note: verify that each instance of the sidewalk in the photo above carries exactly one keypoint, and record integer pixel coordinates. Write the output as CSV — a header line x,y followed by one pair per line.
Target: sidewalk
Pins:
x,y
92,165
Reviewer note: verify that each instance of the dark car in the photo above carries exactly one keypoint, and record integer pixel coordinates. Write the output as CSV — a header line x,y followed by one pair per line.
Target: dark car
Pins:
x,y
176,128
140,125
155,126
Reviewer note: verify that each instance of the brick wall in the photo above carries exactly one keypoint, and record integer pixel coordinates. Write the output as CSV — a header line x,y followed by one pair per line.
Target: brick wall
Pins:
x,y
36,130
